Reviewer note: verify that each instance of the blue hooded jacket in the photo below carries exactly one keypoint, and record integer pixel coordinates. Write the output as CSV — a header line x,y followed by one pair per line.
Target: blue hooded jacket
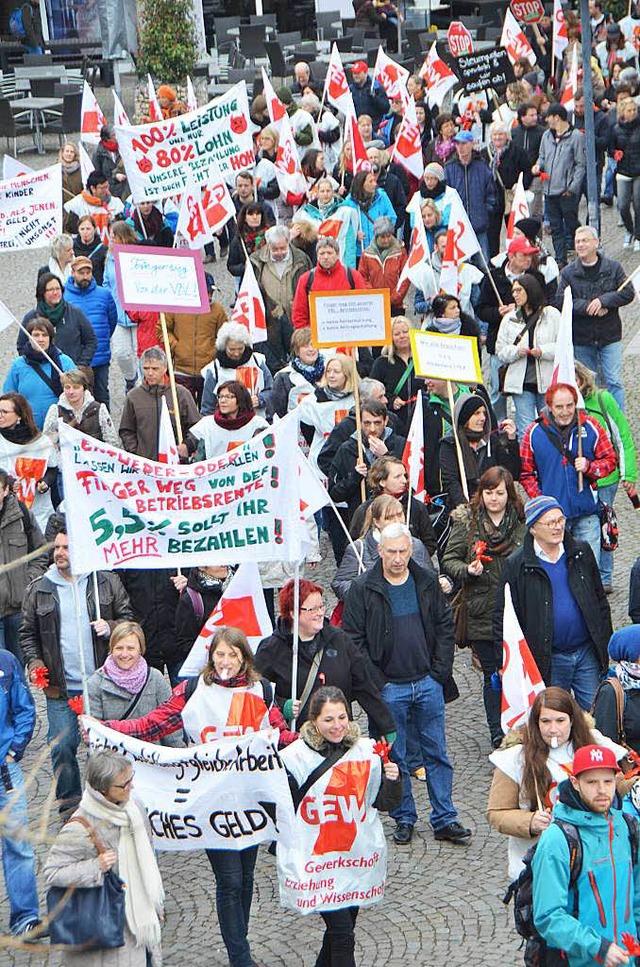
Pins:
x,y
476,187
98,306
17,708
608,884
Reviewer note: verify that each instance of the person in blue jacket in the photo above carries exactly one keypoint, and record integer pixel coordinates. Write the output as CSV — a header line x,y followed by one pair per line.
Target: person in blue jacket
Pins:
x,y
98,305
33,375
472,179
608,882
370,202
17,720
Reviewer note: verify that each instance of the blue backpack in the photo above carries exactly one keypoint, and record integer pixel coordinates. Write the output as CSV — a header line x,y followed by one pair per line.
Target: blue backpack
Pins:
x,y
16,24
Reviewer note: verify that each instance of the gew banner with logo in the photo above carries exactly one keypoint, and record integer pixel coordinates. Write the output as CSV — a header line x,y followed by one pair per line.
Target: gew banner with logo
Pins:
x,y
228,794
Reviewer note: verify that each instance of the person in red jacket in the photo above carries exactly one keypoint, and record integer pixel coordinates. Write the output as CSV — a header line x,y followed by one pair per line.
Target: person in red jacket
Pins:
x,y
329,275
381,264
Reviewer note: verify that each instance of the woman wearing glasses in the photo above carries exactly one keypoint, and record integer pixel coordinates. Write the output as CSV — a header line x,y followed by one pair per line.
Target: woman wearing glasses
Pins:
x,y
74,334
234,421
326,656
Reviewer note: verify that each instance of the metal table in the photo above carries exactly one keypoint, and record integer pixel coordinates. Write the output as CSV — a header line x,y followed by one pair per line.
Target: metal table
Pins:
x,y
37,106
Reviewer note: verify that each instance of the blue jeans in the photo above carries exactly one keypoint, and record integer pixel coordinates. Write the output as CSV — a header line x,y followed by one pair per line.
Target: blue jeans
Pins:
x,y
578,672
527,405
562,212
9,628
607,495
424,699
609,178
101,383
233,870
607,361
587,529
18,860
63,730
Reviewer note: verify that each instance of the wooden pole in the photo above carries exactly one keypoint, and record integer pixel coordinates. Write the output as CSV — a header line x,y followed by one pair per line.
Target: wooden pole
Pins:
x,y
463,476
172,378
490,277
628,279
356,400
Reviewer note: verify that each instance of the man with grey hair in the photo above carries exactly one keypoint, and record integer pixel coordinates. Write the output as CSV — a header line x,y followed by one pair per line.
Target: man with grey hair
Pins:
x,y
140,422
329,275
595,282
400,619
381,264
302,76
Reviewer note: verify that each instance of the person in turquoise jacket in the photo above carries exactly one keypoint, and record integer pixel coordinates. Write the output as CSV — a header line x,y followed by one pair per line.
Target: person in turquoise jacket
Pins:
x,y
608,884
601,404
370,202
32,373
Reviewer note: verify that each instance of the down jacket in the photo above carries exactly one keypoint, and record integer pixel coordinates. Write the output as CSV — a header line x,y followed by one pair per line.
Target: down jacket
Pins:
x,y
477,189
545,334
100,309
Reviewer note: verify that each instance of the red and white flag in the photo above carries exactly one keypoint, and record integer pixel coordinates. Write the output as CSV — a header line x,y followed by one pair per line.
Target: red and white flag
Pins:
x,y
167,446
359,157
568,96
155,111
465,239
336,87
391,76
413,453
340,225
192,220
519,207
241,606
514,40
521,679
217,201
407,149
313,496
564,364
438,75
192,100
275,107
289,175
449,273
249,309
418,268
91,117
560,37
120,116
86,164
12,168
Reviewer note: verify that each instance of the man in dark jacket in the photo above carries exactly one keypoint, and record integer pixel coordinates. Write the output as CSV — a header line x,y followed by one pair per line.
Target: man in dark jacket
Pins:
x,y
56,608
559,601
154,599
472,179
366,101
99,307
594,281
602,126
399,618
347,472
368,389
527,135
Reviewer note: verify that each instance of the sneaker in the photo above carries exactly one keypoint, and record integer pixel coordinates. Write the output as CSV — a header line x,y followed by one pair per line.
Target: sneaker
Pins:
x,y
607,200
619,223
453,832
420,774
402,834
627,240
607,588
33,931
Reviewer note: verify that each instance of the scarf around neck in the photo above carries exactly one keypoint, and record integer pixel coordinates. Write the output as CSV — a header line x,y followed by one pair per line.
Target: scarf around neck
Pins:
x,y
311,373
53,313
18,434
132,679
233,422
452,326
70,167
628,674
227,363
498,536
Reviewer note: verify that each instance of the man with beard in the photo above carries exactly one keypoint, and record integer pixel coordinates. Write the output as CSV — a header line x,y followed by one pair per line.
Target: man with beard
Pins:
x,y
99,307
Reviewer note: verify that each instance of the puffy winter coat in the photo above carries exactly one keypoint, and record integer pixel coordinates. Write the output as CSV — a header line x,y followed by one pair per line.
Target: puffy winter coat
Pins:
x,y
477,189
563,159
385,275
381,206
100,309
544,336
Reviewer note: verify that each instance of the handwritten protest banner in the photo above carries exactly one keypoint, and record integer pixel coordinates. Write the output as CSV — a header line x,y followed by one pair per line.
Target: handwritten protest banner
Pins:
x,y
241,506
355,317
227,794
166,279
484,70
31,209
444,356
216,136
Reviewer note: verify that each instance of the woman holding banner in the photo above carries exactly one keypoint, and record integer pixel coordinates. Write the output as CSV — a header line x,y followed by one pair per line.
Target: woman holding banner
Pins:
x,y
329,764
228,687
233,422
28,456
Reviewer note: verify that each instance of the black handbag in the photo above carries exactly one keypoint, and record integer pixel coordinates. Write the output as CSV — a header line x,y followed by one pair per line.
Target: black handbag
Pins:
x,y
88,917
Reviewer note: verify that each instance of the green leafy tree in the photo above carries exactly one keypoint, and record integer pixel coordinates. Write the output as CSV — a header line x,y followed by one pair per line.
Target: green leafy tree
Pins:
x,y
166,41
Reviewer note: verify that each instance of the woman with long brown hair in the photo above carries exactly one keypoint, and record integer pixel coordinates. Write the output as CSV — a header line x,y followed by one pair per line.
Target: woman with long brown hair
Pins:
x,y
485,532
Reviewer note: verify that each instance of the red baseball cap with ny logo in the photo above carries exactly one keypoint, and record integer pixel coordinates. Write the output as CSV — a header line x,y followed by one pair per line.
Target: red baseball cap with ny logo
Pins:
x,y
593,757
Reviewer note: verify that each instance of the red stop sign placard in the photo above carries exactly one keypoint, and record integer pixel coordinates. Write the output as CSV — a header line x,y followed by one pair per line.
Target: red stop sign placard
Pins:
x,y
527,11
459,39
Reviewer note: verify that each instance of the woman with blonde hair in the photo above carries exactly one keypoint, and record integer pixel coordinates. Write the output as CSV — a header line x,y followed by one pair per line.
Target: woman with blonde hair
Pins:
x,y
394,368
60,258
336,386
432,221
69,158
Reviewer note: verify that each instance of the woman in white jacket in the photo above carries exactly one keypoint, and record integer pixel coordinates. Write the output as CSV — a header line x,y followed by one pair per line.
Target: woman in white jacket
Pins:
x,y
526,345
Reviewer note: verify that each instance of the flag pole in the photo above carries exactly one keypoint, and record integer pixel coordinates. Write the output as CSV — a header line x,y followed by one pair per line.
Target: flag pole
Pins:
x,y
463,476
356,400
174,391
296,633
628,279
83,666
44,353
490,277
96,595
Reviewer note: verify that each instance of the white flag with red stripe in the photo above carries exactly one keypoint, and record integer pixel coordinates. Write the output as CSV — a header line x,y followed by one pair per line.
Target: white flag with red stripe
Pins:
x,y
217,201
275,107
192,100
413,453
120,116
391,76
192,221
521,679
438,75
155,111
86,164
449,273
342,225
249,309
167,446
91,117
465,240
418,268
519,207
289,175
12,168
359,158
564,364
241,606
336,87
568,96
514,40
313,496
407,149
560,36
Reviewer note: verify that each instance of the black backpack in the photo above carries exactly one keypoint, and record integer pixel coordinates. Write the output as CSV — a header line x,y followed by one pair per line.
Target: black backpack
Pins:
x,y
521,889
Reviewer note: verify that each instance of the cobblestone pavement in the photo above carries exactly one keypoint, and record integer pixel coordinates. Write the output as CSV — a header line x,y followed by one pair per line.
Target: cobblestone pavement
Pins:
x,y
443,902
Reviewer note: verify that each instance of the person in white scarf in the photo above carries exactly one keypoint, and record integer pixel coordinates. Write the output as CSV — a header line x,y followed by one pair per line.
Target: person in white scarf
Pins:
x,y
120,822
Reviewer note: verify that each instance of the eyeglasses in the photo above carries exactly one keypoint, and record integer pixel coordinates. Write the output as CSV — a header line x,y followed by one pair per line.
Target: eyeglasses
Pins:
x,y
54,288
125,785
553,524
319,609
7,412
226,396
